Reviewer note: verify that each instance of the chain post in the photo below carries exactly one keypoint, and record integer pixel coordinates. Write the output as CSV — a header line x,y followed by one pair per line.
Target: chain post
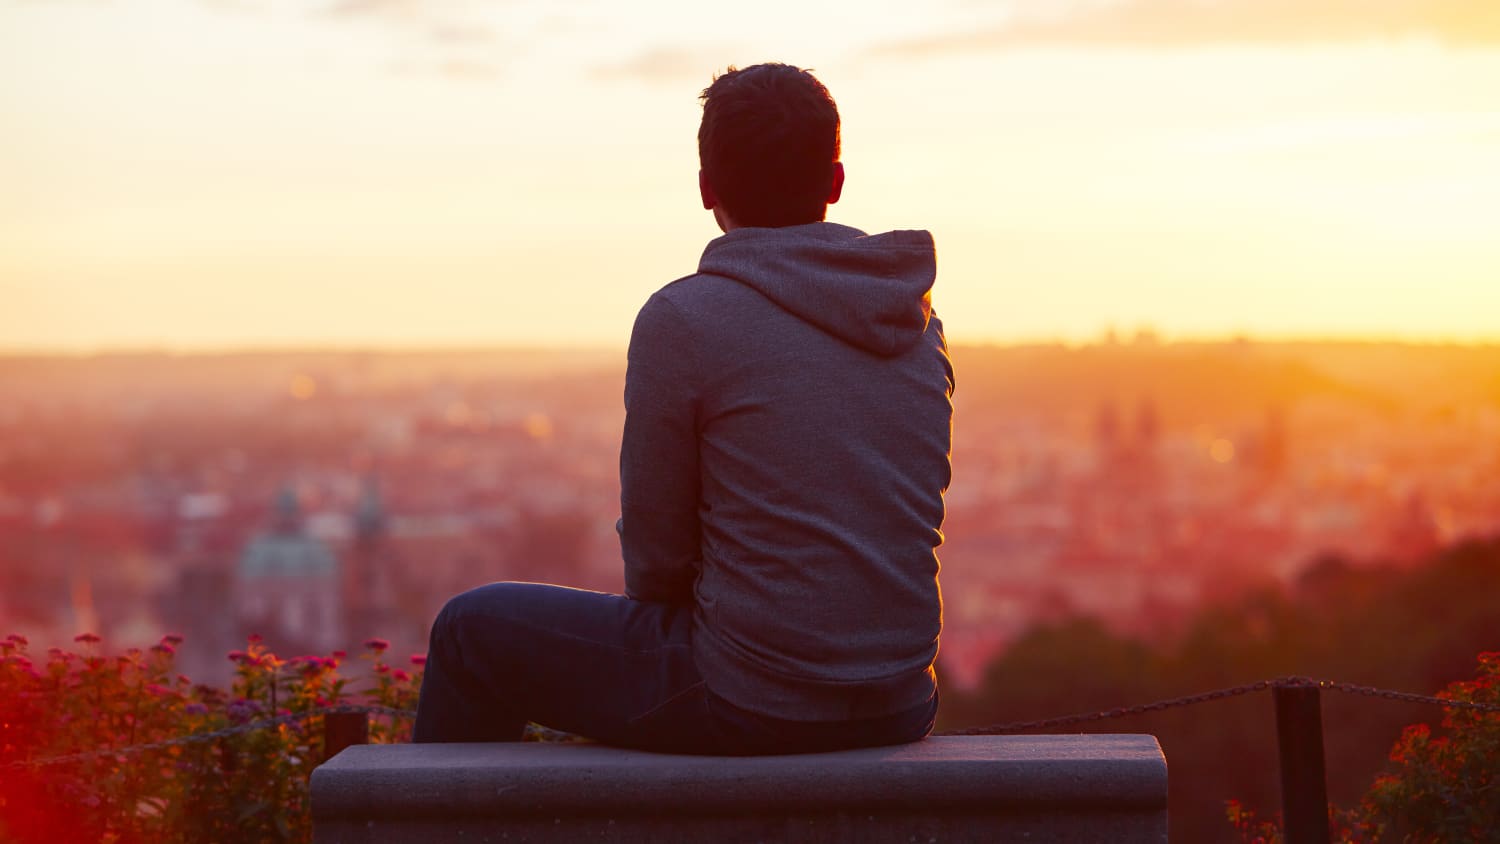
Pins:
x,y
1304,789
342,729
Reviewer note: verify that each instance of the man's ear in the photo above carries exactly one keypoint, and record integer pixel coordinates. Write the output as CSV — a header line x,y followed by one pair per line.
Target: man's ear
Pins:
x,y
837,189
706,191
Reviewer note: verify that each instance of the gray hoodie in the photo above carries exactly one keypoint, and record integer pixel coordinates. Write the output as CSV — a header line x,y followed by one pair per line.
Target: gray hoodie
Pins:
x,y
788,421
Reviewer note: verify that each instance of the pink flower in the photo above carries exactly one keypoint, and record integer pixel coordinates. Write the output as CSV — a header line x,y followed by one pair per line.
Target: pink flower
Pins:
x,y
400,676
419,659
172,639
377,645
237,656
339,654
163,648
87,638
254,638
18,639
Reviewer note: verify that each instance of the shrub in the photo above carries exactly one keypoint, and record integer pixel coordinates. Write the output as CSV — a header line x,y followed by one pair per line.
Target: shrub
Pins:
x,y
1446,787
246,785
1439,788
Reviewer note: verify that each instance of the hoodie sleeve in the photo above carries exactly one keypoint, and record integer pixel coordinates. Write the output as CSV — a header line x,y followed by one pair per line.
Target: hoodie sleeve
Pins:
x,y
659,484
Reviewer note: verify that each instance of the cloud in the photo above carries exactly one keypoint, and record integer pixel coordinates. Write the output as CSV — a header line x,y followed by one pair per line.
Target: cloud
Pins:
x,y
668,65
454,23
463,70
456,39
361,8
461,34
1170,24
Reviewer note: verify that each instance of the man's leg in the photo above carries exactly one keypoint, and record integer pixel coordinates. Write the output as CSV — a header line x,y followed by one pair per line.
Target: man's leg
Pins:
x,y
599,665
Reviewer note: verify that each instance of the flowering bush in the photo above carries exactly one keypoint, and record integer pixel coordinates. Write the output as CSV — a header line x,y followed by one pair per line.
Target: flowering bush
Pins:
x,y
1445,788
1440,788
244,786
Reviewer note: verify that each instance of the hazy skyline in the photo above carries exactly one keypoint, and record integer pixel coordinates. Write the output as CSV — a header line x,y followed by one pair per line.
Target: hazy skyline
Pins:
x,y
224,173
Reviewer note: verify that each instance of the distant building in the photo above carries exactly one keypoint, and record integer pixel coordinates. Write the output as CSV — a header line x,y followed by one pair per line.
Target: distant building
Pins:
x,y
287,586
369,578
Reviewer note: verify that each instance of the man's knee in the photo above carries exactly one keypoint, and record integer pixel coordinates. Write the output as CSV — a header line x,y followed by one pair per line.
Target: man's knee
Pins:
x,y
484,602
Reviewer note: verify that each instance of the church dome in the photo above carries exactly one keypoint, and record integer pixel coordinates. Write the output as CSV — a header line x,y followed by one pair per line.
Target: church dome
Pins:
x,y
286,549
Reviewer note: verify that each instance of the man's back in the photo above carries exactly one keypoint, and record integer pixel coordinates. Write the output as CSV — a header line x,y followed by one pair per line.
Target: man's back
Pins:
x,y
802,367
785,456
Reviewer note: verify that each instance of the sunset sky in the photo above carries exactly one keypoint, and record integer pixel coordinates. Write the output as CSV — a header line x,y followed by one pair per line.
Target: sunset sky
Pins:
x,y
194,174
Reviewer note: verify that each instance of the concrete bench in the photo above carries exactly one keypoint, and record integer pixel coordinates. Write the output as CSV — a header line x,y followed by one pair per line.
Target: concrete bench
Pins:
x,y
1091,788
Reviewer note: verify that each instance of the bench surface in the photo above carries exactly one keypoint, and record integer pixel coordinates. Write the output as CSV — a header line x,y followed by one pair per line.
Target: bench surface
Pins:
x,y
942,783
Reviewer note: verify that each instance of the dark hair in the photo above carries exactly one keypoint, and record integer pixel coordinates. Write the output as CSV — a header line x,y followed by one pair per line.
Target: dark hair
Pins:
x,y
767,144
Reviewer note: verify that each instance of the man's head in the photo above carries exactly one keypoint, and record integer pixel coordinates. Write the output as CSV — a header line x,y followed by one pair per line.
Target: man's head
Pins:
x,y
768,147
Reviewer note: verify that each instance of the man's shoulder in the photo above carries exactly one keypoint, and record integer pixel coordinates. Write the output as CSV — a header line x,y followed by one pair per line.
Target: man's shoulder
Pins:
x,y
693,300
695,293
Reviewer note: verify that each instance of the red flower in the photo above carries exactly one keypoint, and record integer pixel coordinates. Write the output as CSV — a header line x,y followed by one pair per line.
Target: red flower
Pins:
x,y
377,645
419,659
87,638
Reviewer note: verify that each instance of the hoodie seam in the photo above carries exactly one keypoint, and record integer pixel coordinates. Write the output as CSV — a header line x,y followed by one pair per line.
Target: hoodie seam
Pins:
x,y
694,362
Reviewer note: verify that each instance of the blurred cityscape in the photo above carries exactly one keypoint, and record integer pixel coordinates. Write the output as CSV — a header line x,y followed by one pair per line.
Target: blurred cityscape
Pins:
x,y
322,498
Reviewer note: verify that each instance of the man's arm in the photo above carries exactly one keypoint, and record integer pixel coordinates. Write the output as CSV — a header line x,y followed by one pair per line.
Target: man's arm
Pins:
x,y
659,485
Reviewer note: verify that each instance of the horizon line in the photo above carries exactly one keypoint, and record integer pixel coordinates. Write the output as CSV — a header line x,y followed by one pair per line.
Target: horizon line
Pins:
x,y
1143,337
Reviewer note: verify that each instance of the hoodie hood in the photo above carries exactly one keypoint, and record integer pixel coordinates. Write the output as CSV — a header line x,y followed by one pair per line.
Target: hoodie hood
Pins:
x,y
873,291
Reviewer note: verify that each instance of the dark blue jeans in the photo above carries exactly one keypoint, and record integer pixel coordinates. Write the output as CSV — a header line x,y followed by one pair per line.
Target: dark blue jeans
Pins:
x,y
607,667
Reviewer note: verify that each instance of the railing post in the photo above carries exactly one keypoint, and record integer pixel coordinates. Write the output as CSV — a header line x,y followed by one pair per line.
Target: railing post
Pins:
x,y
341,729
1304,791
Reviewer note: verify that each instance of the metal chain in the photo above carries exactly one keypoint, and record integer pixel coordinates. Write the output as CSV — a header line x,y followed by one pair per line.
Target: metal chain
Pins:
x,y
213,735
1408,697
1219,694
992,729
1107,714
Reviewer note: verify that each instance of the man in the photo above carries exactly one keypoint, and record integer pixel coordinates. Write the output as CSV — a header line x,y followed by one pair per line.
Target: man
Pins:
x,y
785,455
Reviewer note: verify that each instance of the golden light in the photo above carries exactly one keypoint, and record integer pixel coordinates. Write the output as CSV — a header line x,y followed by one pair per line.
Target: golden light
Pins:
x,y
537,426
302,387
1343,186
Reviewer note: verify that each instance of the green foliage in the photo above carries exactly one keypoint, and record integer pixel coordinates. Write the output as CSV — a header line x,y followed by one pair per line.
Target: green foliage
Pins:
x,y
1440,788
1445,787
1412,628
251,786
